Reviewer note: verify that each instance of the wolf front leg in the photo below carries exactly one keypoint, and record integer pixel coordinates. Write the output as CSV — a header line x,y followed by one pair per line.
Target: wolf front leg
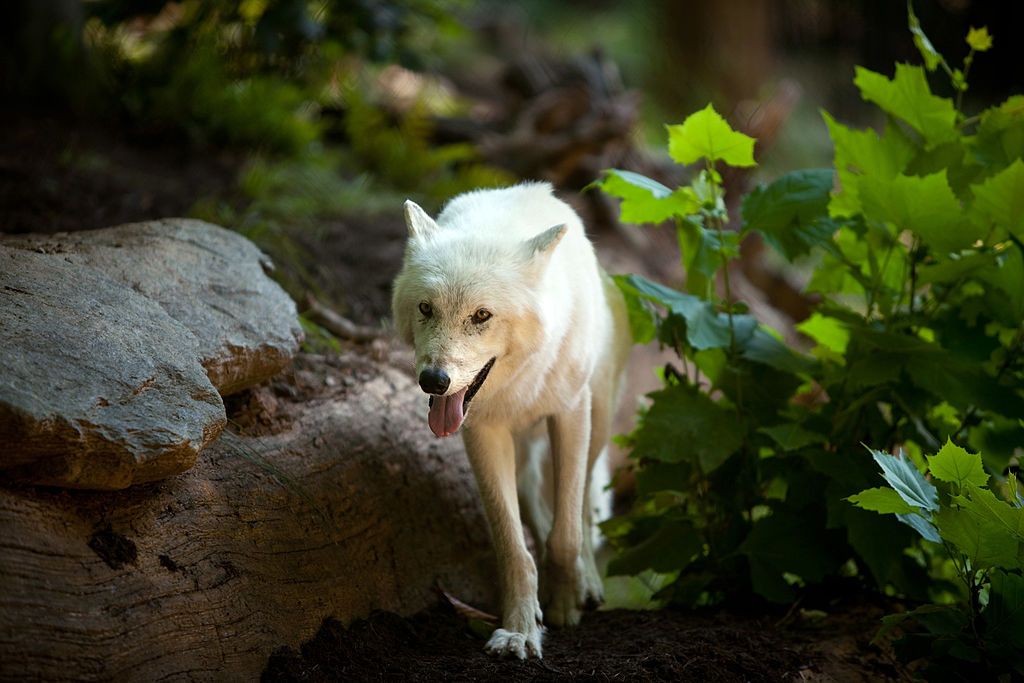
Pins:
x,y
563,571
491,453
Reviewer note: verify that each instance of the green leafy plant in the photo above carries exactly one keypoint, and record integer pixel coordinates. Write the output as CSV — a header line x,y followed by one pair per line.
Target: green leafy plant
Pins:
x,y
704,514
982,634
401,155
244,72
745,456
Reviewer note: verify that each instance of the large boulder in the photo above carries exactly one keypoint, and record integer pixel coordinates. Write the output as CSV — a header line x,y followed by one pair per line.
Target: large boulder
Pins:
x,y
115,345
211,280
334,500
99,387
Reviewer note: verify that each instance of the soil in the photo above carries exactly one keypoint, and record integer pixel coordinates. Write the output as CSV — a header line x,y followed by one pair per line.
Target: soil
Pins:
x,y
56,175
270,408
614,645
60,174
354,262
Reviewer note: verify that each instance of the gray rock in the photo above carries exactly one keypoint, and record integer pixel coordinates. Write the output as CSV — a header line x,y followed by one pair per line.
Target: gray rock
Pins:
x,y
211,280
99,387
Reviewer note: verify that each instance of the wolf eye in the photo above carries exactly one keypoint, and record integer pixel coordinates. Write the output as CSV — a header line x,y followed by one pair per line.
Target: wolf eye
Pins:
x,y
426,309
482,315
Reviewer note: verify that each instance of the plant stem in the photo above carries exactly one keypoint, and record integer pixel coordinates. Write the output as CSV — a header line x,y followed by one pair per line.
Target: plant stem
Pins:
x,y
918,423
913,278
728,300
876,286
961,90
717,222
974,597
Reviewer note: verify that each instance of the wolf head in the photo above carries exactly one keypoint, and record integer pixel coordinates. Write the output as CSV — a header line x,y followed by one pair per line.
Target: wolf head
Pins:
x,y
467,302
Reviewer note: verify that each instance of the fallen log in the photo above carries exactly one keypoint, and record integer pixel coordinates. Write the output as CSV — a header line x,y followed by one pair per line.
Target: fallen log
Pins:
x,y
331,499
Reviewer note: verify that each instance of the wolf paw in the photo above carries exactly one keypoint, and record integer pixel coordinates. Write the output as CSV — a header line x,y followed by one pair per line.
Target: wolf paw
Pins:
x,y
514,644
563,607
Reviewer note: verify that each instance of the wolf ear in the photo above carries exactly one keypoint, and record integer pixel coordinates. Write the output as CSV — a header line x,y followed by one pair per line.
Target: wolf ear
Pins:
x,y
416,219
545,242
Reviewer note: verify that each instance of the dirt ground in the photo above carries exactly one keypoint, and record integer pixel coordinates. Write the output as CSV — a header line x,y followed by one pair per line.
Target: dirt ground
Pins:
x,y
56,175
59,174
616,645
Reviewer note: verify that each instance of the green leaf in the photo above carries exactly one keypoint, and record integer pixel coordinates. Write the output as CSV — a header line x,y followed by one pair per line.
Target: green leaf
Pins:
x,y
1008,276
657,476
961,169
826,331
908,97
947,619
924,205
963,337
706,135
956,466
714,245
690,238
921,526
642,321
792,212
889,622
988,530
881,500
999,200
670,548
872,370
792,436
645,200
979,39
910,484
762,347
958,79
931,56
984,505
860,153
676,427
893,342
704,328
961,382
762,389
954,269
785,543
1004,615
707,187
1000,137
981,539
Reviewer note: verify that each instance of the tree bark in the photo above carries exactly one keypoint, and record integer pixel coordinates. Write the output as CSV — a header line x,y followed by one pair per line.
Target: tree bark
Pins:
x,y
343,503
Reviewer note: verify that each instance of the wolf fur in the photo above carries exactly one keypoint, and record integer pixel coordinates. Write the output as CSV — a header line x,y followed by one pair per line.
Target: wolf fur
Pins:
x,y
509,275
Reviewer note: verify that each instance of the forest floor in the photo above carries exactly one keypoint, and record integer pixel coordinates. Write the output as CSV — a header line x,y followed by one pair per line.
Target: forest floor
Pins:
x,y
614,645
58,175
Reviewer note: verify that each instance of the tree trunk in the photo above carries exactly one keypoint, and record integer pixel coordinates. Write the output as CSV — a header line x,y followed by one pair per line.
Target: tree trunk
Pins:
x,y
342,503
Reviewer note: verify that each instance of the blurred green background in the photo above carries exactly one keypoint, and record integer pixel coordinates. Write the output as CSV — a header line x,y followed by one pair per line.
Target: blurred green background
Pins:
x,y
304,124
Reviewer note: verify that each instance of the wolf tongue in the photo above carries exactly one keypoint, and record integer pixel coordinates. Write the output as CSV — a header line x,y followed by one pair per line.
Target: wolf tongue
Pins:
x,y
446,415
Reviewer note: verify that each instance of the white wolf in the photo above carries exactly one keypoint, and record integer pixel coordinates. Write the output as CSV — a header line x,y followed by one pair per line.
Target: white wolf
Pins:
x,y
507,308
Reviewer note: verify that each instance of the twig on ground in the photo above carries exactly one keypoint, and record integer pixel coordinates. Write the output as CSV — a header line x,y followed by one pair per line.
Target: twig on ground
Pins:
x,y
338,324
465,610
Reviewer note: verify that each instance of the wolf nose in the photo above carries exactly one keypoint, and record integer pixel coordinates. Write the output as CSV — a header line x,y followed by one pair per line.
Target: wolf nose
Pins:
x,y
434,381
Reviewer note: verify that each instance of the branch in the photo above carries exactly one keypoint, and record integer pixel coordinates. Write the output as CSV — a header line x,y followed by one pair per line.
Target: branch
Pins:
x,y
338,324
